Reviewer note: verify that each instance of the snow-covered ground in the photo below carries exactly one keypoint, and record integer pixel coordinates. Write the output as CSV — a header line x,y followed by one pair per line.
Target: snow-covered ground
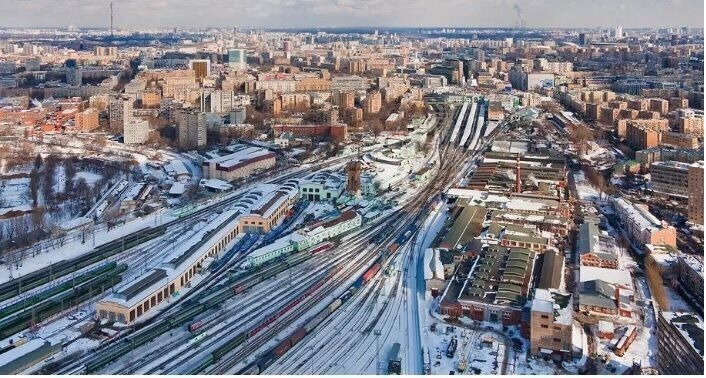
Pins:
x,y
75,248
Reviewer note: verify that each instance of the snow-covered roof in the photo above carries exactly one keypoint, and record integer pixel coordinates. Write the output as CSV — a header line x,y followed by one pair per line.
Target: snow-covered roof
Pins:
x,y
433,268
176,167
216,184
277,244
239,157
605,326
177,189
553,302
611,276
690,326
640,216
22,350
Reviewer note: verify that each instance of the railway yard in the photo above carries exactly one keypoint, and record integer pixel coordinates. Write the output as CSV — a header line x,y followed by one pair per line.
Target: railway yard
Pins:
x,y
338,287
289,315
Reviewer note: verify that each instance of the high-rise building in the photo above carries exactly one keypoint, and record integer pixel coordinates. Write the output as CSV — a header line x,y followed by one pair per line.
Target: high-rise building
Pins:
x,y
33,64
696,193
136,131
74,76
680,343
201,67
619,32
120,110
670,178
87,120
373,102
583,39
237,59
191,129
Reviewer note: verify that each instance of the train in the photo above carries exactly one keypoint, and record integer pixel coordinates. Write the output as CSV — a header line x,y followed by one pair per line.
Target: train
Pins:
x,y
245,243
50,273
270,357
237,283
60,298
276,352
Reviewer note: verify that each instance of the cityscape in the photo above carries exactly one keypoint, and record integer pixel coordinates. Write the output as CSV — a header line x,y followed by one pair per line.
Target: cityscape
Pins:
x,y
310,187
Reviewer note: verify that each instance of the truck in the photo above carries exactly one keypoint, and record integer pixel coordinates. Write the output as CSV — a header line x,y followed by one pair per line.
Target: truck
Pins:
x,y
451,349
427,361
394,363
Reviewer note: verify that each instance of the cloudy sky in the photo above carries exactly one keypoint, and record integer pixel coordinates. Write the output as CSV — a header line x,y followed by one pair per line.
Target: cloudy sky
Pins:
x,y
327,13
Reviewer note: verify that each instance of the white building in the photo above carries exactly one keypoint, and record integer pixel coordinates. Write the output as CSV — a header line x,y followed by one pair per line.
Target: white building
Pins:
x,y
324,230
136,131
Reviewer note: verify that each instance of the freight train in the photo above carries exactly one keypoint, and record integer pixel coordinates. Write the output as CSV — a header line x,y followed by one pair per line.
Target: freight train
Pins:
x,y
269,358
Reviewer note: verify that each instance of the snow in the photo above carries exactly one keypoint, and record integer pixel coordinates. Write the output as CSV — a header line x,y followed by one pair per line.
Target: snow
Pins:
x,y
74,248
432,255
586,192
91,178
21,350
613,276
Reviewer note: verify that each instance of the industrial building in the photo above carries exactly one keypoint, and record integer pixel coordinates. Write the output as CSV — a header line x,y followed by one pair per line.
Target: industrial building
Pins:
x,y
241,163
495,287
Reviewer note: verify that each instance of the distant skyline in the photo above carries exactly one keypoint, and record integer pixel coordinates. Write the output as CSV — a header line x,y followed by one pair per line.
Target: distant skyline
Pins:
x,y
133,14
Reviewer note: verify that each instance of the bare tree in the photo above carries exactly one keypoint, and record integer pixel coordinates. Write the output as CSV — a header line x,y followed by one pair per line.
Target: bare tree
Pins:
x,y
34,186
69,173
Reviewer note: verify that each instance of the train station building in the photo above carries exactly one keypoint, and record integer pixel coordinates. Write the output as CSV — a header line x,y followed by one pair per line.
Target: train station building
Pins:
x,y
268,203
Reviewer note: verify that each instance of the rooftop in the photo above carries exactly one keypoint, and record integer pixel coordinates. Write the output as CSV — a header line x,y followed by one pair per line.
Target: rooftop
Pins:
x,y
690,326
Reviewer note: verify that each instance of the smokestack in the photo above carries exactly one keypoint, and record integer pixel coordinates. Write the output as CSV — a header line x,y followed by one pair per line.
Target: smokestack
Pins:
x,y
518,179
111,19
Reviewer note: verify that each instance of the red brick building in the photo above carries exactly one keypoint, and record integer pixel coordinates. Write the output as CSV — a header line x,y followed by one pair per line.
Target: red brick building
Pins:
x,y
337,132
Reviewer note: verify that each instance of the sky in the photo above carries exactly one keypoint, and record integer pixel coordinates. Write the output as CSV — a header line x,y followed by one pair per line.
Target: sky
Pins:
x,y
133,14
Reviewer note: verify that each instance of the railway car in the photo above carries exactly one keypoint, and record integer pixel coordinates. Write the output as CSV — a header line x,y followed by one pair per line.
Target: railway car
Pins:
x,y
194,326
282,347
322,247
266,361
198,339
297,336
334,305
345,296
230,345
313,323
370,273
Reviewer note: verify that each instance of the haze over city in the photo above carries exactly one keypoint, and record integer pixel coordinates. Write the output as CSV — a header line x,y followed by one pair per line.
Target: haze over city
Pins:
x,y
370,187
352,13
